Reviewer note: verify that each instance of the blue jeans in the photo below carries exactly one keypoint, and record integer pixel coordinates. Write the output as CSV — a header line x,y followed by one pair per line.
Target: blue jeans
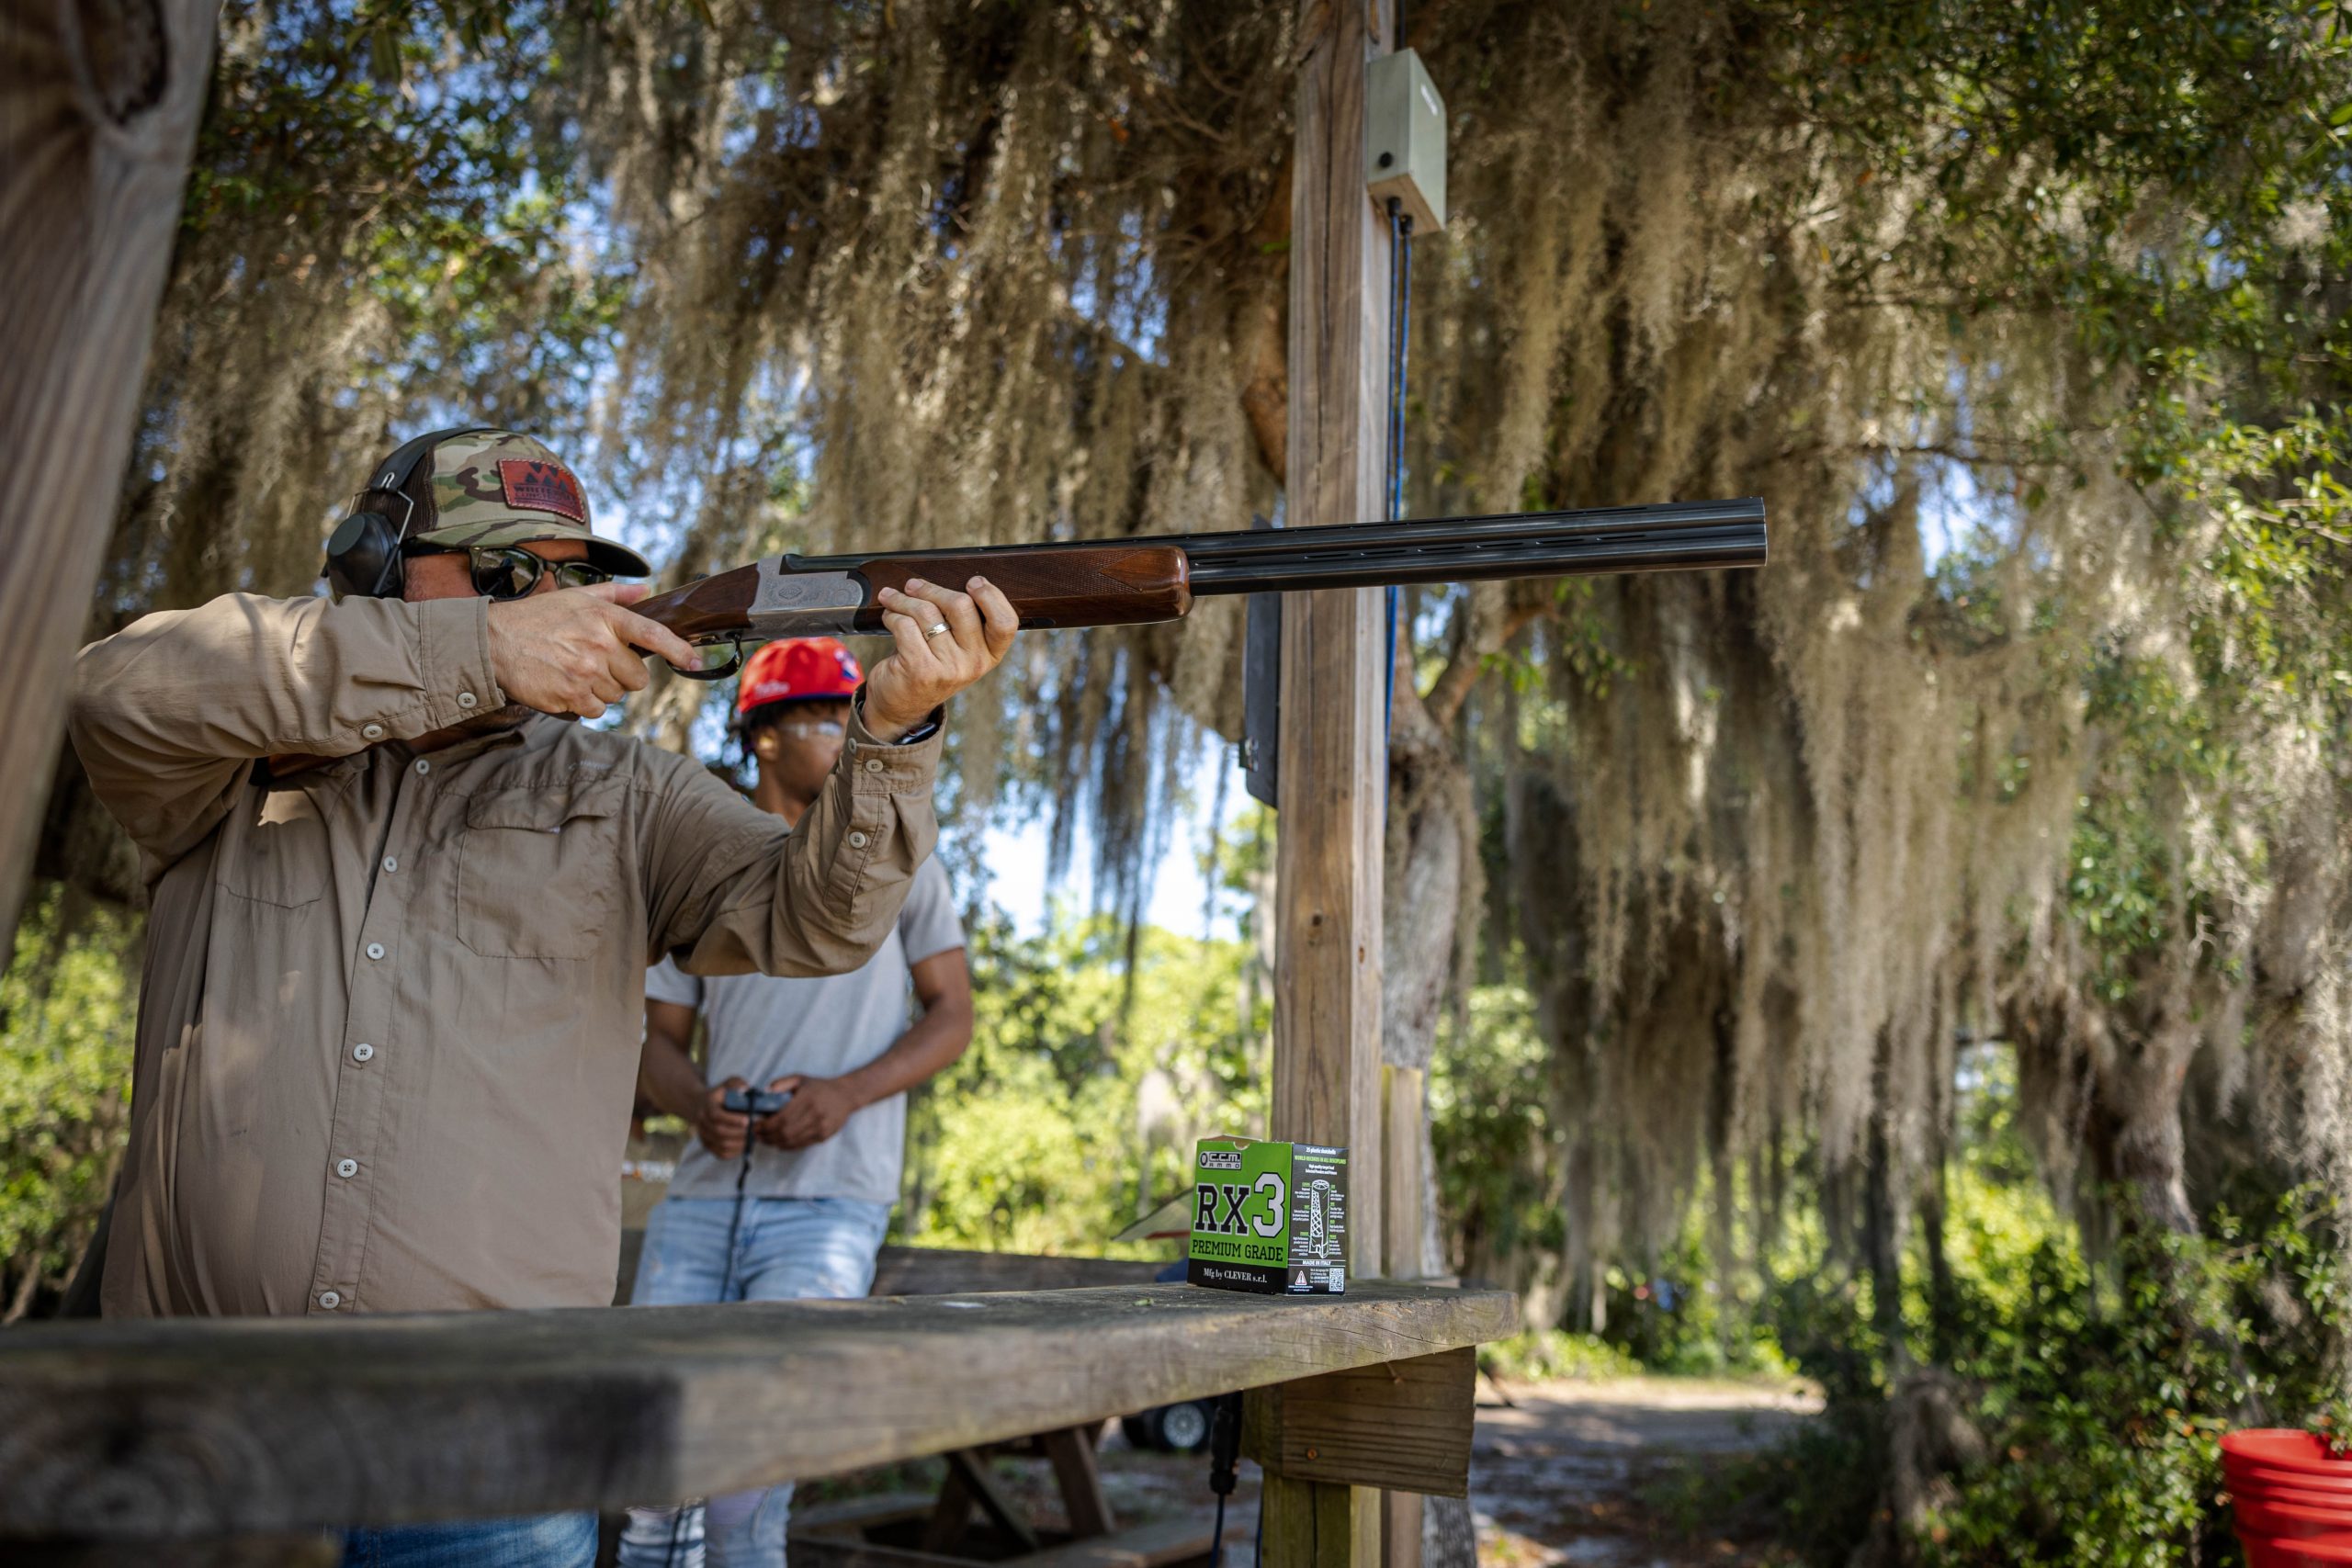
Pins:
x,y
786,1249
550,1541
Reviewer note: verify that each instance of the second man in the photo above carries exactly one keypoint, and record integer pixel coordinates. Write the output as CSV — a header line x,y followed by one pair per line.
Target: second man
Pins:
x,y
793,1203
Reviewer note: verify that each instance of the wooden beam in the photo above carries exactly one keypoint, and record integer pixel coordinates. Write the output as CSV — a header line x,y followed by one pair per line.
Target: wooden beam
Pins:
x,y
1334,777
98,107
1403,1170
216,1427
1334,771
1400,1425
940,1270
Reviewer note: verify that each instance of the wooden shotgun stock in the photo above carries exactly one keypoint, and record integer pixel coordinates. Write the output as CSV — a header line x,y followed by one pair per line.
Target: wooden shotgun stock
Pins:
x,y
1132,581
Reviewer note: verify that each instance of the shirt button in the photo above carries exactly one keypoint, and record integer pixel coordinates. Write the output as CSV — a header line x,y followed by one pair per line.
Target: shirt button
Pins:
x,y
464,699
422,767
346,1168
374,950
857,840
330,1299
372,731
363,1052
873,764
391,863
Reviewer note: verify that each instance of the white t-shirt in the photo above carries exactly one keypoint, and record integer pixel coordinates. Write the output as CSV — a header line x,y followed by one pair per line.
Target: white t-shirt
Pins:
x,y
762,1026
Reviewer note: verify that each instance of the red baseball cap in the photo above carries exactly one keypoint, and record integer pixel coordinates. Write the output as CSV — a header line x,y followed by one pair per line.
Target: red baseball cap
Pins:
x,y
798,670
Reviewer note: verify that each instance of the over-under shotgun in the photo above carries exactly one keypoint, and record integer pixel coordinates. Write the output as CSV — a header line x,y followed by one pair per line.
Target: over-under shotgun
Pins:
x,y
1156,578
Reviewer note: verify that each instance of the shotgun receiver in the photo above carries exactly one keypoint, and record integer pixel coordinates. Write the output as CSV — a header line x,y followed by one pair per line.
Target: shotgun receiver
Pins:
x,y
1156,577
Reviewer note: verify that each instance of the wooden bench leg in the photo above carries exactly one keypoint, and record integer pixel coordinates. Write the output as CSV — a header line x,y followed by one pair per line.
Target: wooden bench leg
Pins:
x,y
1071,1449
967,1466
1319,1524
949,1514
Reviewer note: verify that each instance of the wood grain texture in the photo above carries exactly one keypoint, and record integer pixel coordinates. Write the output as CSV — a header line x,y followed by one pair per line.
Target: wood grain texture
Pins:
x,y
1110,585
1400,1425
1334,778
707,607
1334,775
1317,1524
1070,1450
979,1483
229,1425
98,106
1403,1172
939,1270
935,1271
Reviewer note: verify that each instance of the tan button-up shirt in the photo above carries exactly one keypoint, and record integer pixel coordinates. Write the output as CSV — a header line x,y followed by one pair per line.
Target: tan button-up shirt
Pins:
x,y
390,1023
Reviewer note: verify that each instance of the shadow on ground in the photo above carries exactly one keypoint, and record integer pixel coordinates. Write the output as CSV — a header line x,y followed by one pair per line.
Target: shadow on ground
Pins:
x,y
1566,1471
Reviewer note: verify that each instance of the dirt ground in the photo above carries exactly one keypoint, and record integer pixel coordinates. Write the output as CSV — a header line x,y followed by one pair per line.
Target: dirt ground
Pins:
x,y
1565,1474
1559,1476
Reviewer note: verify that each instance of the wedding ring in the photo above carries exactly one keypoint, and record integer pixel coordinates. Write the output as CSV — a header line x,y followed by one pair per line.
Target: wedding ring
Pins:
x,y
937,629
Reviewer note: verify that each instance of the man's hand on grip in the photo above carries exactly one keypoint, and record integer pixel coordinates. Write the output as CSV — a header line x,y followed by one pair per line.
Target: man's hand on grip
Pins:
x,y
577,650
925,669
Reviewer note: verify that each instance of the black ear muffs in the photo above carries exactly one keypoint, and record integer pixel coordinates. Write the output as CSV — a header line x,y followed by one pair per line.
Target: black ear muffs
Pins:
x,y
364,557
364,554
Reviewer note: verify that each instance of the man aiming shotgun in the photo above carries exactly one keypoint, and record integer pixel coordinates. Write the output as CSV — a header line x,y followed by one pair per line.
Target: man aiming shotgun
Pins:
x,y
399,912
388,1028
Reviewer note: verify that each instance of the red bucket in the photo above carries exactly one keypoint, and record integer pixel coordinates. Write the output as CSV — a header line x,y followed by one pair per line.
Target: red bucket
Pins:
x,y
2275,1448
2267,1478
2289,1523
2293,1498
2332,1503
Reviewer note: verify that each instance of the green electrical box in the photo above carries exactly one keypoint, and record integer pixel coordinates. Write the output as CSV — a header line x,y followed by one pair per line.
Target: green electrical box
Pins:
x,y
1270,1217
1403,139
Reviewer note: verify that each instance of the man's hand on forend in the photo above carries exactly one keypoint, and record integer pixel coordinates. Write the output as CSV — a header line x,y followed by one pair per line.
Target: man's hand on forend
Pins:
x,y
946,641
576,650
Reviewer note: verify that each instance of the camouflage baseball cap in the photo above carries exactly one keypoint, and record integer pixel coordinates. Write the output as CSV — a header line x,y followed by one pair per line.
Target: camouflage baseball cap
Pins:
x,y
495,487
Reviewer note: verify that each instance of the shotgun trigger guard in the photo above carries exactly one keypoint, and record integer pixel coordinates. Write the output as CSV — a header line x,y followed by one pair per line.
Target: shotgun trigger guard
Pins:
x,y
720,674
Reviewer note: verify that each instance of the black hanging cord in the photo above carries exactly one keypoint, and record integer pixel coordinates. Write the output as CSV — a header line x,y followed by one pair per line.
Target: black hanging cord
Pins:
x,y
1224,1458
1401,287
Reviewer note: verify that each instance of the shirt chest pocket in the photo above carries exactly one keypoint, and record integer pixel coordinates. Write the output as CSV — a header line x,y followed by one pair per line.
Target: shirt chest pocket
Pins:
x,y
278,856
539,871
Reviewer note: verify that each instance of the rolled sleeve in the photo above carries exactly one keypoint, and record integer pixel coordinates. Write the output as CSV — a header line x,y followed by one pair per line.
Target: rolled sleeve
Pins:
x,y
729,891
453,657
167,713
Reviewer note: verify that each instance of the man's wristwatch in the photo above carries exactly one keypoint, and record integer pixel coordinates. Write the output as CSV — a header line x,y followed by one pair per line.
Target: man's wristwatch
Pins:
x,y
915,737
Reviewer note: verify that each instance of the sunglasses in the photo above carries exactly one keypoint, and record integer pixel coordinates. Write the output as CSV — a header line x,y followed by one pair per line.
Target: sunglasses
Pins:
x,y
509,571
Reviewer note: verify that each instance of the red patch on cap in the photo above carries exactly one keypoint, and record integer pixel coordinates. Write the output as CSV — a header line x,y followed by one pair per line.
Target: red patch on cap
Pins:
x,y
542,486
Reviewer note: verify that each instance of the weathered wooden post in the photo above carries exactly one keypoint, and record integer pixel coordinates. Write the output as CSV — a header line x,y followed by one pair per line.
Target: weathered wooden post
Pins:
x,y
1327,1084
98,106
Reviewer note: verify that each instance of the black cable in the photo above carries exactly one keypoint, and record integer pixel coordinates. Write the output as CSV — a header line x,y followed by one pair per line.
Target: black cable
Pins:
x,y
726,1289
1400,278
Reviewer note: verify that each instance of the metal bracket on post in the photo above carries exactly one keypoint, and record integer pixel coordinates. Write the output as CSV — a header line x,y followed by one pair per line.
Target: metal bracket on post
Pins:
x,y
1261,692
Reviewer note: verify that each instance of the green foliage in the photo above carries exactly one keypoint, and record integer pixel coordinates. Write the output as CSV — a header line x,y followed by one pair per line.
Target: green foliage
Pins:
x,y
1490,1126
2099,1389
2104,1416
1079,1101
1555,1353
66,1008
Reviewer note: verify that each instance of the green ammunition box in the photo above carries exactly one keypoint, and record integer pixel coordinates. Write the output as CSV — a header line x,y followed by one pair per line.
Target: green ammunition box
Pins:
x,y
1269,1217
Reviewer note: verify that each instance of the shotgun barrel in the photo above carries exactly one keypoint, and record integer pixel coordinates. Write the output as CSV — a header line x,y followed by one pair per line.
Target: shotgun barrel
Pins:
x,y
1133,582
1109,582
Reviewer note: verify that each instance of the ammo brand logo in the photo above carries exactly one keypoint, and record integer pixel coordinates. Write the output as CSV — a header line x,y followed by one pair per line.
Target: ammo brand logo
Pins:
x,y
1216,1207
